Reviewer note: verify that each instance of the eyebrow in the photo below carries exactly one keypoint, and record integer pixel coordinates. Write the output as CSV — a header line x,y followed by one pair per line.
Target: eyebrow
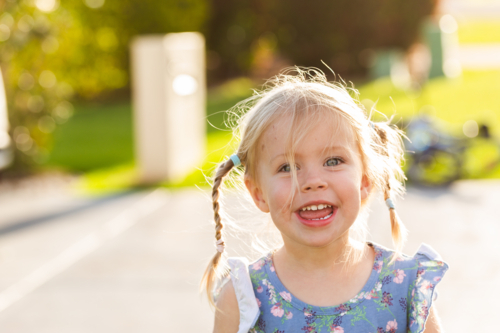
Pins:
x,y
330,148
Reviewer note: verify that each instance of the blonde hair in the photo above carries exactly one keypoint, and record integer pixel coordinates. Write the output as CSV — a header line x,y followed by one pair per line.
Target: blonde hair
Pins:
x,y
305,94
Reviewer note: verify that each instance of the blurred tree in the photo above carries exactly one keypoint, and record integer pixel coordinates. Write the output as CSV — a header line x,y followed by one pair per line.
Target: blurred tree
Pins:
x,y
99,62
36,96
51,52
231,31
342,33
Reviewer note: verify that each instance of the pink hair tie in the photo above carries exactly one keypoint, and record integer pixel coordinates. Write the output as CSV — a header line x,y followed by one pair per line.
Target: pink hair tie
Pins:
x,y
220,245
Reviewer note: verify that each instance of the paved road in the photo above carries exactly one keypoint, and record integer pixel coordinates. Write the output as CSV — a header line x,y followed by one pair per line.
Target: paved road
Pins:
x,y
132,263
480,57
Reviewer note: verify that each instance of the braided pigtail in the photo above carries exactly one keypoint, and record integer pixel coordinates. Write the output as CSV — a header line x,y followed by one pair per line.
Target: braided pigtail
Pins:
x,y
213,269
390,148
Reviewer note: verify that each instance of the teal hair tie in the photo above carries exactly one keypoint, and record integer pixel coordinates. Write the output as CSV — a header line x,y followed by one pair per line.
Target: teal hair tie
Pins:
x,y
235,159
389,203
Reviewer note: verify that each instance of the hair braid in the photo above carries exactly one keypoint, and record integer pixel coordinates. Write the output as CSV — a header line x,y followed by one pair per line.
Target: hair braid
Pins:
x,y
212,269
398,230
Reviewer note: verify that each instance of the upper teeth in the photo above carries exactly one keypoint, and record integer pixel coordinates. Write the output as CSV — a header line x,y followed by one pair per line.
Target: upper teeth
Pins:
x,y
314,207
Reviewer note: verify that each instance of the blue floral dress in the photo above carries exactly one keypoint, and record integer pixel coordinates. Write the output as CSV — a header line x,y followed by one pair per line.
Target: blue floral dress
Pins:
x,y
396,298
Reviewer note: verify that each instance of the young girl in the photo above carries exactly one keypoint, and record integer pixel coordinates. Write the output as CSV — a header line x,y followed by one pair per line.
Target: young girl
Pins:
x,y
312,159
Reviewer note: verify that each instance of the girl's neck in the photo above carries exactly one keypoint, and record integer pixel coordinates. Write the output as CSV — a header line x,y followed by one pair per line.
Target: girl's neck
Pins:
x,y
339,255
324,276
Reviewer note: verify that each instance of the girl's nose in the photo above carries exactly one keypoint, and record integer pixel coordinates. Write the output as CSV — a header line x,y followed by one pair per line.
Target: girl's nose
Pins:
x,y
313,183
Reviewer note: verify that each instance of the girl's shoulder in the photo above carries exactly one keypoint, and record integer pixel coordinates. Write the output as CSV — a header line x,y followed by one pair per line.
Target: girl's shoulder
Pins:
x,y
425,259
241,284
411,281
424,269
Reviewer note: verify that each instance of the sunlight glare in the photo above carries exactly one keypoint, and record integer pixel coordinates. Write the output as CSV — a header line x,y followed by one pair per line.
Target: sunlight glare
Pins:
x,y
184,85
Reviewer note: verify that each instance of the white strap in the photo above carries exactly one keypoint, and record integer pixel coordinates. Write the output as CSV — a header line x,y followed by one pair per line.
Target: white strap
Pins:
x,y
249,309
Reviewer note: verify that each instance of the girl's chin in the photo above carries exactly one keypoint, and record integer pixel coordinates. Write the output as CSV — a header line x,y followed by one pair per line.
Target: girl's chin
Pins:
x,y
316,223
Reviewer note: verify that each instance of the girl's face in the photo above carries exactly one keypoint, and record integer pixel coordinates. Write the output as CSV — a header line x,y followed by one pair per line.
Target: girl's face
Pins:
x,y
331,184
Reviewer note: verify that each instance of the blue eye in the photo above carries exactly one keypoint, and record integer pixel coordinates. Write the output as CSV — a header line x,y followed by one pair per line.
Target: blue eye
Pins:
x,y
286,168
333,161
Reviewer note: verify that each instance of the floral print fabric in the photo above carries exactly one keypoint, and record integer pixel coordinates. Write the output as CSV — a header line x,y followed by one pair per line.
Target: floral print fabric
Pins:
x,y
396,298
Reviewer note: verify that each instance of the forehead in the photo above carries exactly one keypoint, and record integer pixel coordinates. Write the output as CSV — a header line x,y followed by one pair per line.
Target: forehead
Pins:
x,y
321,129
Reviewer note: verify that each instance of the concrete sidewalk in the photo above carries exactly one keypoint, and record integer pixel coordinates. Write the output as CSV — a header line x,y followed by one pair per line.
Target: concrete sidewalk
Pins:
x,y
145,278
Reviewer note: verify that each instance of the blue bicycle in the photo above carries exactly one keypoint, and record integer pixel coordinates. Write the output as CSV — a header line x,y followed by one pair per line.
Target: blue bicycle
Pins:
x,y
433,157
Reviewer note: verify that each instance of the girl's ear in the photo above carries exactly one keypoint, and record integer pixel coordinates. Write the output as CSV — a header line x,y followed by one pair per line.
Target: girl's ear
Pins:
x,y
257,195
366,188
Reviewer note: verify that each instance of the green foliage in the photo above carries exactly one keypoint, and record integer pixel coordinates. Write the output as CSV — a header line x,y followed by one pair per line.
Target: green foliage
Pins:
x,y
51,52
37,100
99,56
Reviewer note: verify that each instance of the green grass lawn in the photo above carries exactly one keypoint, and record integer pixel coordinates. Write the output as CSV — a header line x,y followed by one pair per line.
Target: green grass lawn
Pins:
x,y
98,141
473,96
101,136
479,31
95,137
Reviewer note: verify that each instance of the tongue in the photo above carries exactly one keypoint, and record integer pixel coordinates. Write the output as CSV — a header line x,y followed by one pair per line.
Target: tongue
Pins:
x,y
315,214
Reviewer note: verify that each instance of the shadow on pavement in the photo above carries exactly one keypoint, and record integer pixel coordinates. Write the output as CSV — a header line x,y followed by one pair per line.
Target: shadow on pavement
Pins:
x,y
28,223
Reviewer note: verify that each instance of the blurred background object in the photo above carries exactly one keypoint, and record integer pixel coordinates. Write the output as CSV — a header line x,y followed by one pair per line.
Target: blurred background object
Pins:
x,y
169,105
442,39
6,155
436,157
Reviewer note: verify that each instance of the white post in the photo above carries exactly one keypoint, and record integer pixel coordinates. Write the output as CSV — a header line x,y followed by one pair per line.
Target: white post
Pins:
x,y
169,104
6,154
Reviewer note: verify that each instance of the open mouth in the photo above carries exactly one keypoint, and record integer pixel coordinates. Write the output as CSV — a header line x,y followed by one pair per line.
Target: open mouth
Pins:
x,y
316,212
